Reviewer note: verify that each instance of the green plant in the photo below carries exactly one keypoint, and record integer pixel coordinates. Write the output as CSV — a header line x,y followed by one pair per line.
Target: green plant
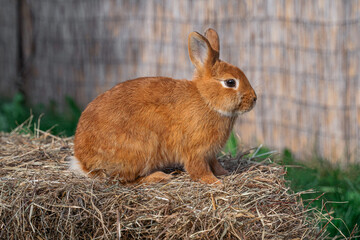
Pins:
x,y
231,145
12,112
15,111
340,188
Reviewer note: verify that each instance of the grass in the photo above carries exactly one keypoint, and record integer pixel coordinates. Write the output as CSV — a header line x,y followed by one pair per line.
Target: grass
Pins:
x,y
337,189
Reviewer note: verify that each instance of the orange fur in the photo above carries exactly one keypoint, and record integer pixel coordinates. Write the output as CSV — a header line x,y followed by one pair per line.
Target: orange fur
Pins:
x,y
143,125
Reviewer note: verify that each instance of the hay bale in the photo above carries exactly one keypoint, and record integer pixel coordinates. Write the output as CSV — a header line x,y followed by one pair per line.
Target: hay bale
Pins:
x,y
41,199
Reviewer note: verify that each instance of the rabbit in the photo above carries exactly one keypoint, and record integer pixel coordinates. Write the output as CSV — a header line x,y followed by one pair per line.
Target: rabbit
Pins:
x,y
140,126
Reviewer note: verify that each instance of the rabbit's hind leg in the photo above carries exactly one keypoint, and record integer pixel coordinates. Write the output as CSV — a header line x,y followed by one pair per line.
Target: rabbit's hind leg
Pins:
x,y
155,177
216,167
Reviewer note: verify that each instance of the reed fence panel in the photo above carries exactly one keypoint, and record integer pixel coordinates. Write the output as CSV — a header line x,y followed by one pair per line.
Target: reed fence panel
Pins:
x,y
302,57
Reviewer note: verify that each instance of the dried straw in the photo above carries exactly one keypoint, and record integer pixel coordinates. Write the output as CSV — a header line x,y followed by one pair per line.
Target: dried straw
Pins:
x,y
41,199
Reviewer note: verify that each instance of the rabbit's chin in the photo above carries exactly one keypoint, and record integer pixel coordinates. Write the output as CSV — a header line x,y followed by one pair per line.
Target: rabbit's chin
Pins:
x,y
239,112
242,112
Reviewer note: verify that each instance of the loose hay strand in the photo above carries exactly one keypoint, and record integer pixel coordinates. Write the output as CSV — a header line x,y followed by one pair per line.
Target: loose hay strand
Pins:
x,y
41,199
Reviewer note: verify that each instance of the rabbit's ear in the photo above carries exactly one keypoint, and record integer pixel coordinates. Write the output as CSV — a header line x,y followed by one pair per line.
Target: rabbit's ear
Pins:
x,y
213,39
200,51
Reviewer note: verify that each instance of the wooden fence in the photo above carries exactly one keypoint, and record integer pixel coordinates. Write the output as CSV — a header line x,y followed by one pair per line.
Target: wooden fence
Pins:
x,y
8,48
303,58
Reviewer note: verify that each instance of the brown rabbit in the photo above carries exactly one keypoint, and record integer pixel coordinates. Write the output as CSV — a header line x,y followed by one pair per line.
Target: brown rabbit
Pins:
x,y
140,126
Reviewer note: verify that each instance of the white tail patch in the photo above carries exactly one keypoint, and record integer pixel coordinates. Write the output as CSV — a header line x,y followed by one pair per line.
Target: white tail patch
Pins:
x,y
74,166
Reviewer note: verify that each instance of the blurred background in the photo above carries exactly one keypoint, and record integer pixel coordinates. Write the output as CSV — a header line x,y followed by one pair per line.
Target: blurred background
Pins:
x,y
302,57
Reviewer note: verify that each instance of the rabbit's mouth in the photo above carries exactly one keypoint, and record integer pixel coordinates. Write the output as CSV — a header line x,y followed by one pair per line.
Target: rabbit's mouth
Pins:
x,y
247,103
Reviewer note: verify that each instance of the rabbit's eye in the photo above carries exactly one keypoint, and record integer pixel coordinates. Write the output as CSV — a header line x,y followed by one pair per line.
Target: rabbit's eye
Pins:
x,y
231,83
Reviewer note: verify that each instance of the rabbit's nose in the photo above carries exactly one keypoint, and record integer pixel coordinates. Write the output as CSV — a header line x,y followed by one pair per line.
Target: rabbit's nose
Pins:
x,y
255,98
